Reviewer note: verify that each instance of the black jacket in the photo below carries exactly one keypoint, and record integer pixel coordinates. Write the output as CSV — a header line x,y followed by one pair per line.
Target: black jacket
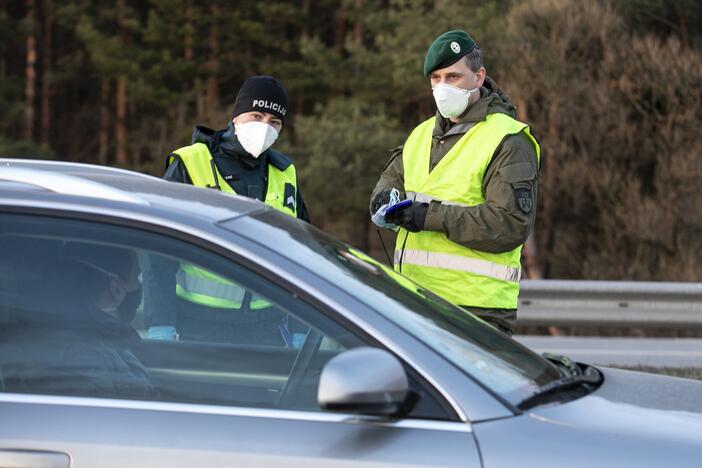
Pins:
x,y
246,175
74,350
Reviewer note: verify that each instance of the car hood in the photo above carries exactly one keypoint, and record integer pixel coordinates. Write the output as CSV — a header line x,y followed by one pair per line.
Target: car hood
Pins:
x,y
651,409
651,391
638,400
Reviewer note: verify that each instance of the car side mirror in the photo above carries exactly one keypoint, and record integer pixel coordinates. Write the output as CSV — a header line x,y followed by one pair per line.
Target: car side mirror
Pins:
x,y
366,381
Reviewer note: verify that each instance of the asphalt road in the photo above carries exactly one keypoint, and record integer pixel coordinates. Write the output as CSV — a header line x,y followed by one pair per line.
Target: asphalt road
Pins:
x,y
655,352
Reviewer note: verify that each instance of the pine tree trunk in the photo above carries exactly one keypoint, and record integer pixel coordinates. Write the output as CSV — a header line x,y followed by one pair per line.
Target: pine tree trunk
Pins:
x,y
3,48
358,27
189,29
104,134
121,96
306,6
683,31
120,130
200,100
339,29
188,55
305,34
31,72
47,52
213,62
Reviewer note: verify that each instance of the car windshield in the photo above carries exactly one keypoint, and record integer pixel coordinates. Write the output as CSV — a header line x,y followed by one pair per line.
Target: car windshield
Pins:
x,y
499,363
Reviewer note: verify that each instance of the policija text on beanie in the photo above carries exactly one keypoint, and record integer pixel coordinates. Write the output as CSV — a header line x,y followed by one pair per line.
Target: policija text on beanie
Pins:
x,y
263,94
447,49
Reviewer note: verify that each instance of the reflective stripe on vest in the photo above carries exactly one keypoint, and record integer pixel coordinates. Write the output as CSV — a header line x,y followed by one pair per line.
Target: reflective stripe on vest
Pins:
x,y
458,262
424,198
201,286
206,288
461,275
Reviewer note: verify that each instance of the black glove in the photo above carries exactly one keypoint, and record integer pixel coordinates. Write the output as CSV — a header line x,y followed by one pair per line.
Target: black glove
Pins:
x,y
380,199
411,217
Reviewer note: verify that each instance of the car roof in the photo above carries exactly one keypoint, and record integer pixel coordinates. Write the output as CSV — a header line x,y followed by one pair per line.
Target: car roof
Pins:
x,y
98,185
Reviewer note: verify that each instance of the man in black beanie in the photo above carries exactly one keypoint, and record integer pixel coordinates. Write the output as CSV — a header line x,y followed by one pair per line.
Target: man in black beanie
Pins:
x,y
244,162
237,160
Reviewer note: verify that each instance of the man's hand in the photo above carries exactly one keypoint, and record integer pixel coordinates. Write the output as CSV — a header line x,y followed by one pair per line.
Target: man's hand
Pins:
x,y
411,217
380,199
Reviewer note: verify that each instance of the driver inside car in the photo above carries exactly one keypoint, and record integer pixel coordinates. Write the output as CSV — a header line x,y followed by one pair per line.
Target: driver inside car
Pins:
x,y
82,333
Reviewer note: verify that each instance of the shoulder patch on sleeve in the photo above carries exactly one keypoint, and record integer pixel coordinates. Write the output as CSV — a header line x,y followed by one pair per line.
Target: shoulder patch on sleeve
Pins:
x,y
519,172
525,199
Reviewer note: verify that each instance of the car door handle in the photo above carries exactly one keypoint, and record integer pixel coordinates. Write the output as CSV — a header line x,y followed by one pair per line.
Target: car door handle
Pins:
x,y
33,459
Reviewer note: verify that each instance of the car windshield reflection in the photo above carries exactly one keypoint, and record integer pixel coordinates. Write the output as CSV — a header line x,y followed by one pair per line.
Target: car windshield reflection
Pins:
x,y
499,363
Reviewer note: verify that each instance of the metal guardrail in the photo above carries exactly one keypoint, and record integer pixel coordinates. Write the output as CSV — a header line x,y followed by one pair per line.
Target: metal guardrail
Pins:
x,y
621,351
610,304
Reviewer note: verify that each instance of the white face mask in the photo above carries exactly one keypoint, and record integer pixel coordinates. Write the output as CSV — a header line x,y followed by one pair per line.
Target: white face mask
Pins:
x,y
255,137
451,100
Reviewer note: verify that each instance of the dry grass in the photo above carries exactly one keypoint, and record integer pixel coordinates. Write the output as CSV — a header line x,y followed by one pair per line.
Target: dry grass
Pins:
x,y
619,117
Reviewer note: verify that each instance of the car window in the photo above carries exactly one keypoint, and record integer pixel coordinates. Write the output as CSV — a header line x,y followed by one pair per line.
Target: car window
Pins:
x,y
501,364
97,310
102,311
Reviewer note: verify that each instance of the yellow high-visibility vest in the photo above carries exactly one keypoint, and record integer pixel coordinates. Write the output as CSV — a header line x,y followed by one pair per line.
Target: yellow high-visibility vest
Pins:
x,y
204,173
459,274
197,284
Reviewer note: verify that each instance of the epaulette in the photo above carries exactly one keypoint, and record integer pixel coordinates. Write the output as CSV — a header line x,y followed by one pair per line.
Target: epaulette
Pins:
x,y
279,160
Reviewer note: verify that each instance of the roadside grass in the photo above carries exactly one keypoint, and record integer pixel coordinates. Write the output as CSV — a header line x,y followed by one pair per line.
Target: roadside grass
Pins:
x,y
685,372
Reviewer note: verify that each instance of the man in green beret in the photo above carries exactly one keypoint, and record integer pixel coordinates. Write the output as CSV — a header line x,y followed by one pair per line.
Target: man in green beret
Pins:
x,y
471,172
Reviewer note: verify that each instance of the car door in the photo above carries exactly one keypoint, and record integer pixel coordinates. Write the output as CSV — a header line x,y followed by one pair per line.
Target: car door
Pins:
x,y
219,368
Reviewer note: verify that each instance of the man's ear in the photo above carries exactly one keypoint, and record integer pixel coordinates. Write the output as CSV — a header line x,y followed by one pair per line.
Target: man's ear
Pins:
x,y
480,74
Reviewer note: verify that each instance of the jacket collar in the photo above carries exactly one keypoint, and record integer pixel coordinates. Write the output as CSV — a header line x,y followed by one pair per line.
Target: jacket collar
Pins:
x,y
226,143
492,100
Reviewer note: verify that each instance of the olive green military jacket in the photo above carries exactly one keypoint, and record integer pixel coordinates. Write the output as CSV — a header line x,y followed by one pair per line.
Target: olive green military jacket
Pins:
x,y
501,223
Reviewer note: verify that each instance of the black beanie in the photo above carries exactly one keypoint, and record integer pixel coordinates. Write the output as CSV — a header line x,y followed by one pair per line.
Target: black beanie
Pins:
x,y
263,94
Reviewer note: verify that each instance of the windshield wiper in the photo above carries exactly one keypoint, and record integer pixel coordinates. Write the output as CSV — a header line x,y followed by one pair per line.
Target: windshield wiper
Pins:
x,y
545,393
566,366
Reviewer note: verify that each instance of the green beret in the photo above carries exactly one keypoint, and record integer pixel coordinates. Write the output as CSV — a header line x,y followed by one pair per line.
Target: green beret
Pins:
x,y
447,49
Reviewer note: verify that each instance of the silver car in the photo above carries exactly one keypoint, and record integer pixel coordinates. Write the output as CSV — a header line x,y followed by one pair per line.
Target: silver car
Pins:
x,y
147,323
